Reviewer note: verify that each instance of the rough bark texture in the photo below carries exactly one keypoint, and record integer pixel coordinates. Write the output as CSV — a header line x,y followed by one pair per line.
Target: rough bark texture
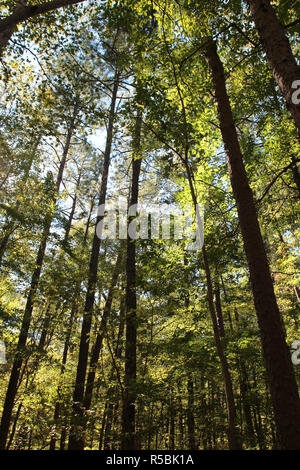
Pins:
x,y
128,412
77,420
283,386
278,50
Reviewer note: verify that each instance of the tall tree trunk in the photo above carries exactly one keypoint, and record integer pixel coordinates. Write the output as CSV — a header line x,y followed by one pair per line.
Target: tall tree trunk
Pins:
x,y
96,349
21,346
190,415
279,53
190,406
233,439
57,408
45,328
219,311
172,412
100,335
105,434
8,229
280,371
296,174
77,419
72,212
128,412
12,434
244,387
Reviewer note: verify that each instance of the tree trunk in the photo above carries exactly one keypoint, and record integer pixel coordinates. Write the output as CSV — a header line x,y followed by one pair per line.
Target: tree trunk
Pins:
x,y
8,229
219,311
172,412
77,418
96,349
128,412
279,53
72,212
190,415
279,366
12,434
296,174
63,365
21,346
233,440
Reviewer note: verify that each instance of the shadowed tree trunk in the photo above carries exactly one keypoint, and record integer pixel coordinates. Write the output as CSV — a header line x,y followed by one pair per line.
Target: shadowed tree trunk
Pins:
x,y
57,409
190,407
12,434
77,419
128,412
100,335
21,346
279,53
296,174
72,212
190,415
105,436
172,412
233,439
219,311
278,362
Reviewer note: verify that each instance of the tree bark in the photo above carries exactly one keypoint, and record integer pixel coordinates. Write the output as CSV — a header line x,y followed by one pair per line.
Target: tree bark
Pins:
x,y
296,174
279,53
233,439
100,335
129,399
72,212
278,362
219,311
77,419
57,408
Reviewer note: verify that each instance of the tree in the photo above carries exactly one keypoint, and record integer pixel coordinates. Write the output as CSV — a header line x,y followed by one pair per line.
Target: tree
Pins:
x,y
282,381
285,70
129,440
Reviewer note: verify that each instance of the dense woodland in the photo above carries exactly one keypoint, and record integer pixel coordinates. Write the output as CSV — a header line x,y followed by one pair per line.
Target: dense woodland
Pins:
x,y
142,343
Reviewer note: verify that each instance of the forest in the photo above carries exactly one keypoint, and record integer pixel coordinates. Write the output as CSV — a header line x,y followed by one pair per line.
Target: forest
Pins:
x,y
149,212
